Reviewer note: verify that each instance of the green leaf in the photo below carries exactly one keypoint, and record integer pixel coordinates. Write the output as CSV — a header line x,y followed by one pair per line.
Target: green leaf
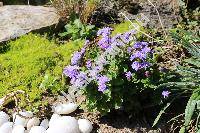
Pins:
x,y
63,34
160,114
78,23
182,130
90,27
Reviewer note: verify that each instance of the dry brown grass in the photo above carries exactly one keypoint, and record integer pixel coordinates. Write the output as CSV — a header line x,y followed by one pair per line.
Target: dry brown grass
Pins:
x,y
83,8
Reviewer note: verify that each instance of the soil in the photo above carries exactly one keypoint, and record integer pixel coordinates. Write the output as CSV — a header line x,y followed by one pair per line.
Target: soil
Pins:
x,y
110,11
118,122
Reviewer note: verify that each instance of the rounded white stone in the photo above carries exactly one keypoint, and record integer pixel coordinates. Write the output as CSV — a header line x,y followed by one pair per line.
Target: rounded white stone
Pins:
x,y
64,124
3,118
6,127
85,126
65,108
33,122
45,123
54,117
38,129
19,120
18,129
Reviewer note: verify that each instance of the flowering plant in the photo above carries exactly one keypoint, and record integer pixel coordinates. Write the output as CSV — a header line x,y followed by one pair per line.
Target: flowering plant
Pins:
x,y
120,72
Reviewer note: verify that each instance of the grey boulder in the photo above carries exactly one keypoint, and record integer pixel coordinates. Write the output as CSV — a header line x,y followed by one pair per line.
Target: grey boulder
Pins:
x,y
17,20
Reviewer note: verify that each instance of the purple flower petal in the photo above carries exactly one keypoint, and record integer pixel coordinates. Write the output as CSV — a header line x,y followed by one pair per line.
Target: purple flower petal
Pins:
x,y
165,94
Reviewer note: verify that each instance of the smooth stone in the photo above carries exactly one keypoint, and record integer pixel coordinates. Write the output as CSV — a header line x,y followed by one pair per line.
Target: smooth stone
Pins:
x,y
3,118
38,129
45,123
18,120
17,20
54,117
85,126
65,108
6,127
64,124
33,122
18,129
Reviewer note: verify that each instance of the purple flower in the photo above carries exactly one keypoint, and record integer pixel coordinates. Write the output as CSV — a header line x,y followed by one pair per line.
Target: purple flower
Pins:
x,y
80,80
165,94
136,65
147,73
82,51
129,49
87,42
104,32
101,60
146,50
102,80
71,71
88,64
144,65
128,75
140,45
104,42
119,43
133,32
76,58
139,55
102,87
127,37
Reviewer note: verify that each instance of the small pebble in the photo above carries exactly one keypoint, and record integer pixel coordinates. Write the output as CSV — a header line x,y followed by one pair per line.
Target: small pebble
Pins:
x,y
6,127
33,122
64,124
85,126
19,120
65,108
54,117
18,129
3,118
45,123
38,129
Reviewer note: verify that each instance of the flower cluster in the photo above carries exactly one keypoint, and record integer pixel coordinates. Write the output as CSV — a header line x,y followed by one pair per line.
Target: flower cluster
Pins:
x,y
110,48
139,56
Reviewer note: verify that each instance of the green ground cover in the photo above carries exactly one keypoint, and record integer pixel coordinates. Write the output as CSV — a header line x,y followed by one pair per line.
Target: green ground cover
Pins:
x,y
28,59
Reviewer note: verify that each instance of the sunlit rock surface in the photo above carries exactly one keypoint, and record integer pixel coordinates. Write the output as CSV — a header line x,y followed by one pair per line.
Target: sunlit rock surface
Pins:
x,y
17,20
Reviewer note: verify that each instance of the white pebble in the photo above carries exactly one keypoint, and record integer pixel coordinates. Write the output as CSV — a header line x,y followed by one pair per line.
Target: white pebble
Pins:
x,y
3,118
33,122
18,129
38,129
45,123
6,127
54,117
85,126
64,124
19,120
65,108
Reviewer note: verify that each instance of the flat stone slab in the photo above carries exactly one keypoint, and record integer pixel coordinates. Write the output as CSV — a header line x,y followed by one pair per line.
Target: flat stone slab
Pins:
x,y
17,20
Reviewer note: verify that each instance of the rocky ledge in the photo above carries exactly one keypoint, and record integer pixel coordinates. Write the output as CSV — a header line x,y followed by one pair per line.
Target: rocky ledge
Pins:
x,y
17,20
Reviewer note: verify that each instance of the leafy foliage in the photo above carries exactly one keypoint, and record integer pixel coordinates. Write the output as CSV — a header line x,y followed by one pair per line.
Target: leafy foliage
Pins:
x,y
76,30
116,82
190,77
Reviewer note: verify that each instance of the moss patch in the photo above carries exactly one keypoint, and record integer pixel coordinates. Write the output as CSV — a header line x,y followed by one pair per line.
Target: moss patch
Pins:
x,y
28,59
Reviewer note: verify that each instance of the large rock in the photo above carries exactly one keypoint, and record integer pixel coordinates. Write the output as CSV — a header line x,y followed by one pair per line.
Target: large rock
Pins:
x,y
16,20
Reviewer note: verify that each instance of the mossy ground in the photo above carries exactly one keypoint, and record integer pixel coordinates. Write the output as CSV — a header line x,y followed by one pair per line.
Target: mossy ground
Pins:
x,y
26,61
